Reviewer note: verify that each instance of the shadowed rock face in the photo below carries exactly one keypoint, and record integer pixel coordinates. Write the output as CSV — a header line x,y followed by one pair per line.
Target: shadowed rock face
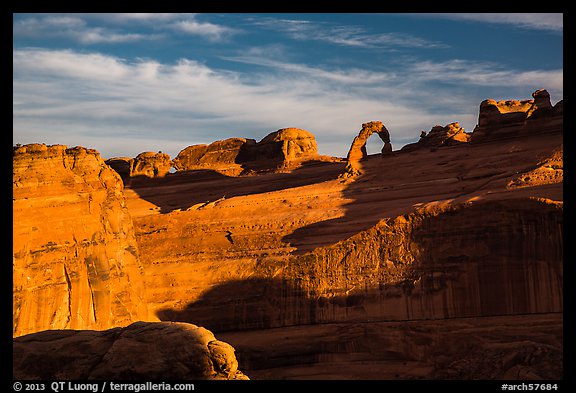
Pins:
x,y
509,118
141,351
358,151
279,149
76,261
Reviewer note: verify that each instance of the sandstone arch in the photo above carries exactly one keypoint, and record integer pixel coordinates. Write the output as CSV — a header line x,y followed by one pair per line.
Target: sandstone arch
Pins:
x,y
358,148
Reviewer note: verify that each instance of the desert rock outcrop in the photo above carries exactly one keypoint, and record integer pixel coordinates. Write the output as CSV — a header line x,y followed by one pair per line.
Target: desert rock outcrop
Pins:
x,y
147,164
220,155
509,118
140,351
284,145
76,261
279,149
358,151
449,135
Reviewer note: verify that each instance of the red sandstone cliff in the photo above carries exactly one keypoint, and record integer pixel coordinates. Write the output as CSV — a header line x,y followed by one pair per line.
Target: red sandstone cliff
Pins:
x,y
76,261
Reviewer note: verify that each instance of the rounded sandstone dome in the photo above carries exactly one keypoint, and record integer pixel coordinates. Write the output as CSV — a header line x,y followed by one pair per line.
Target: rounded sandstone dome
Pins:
x,y
288,134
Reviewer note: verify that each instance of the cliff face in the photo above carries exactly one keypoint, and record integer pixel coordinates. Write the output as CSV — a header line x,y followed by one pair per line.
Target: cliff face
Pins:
x,y
141,351
76,261
469,260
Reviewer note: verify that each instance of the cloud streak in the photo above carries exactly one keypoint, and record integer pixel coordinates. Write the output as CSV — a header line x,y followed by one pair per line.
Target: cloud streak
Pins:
x,y
79,27
536,21
73,28
351,36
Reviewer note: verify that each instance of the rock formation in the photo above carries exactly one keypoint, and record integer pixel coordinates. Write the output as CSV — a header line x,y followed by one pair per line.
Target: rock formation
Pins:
x,y
435,264
358,151
503,119
449,135
279,149
142,351
147,164
151,164
76,262
220,155
284,145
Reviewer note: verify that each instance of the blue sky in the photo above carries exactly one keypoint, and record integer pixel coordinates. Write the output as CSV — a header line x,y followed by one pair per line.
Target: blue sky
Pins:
x,y
128,83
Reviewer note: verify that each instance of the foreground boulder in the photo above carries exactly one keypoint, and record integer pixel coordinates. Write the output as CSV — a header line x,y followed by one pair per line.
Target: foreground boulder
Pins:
x,y
141,351
76,263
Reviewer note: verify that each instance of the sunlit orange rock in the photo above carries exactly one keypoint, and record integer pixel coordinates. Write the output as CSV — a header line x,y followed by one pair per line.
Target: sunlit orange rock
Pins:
x,y
76,261
278,150
147,164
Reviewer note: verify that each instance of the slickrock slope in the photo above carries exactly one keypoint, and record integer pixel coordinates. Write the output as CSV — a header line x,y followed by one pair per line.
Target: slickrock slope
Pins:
x,y
76,262
548,171
157,351
282,149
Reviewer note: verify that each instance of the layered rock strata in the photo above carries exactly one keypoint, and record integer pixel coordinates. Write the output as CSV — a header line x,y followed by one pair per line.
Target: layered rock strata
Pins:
x,y
442,261
76,262
139,352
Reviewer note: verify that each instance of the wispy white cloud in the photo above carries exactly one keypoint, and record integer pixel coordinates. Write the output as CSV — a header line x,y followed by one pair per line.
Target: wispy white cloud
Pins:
x,y
352,36
485,74
73,28
209,30
538,21
118,28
